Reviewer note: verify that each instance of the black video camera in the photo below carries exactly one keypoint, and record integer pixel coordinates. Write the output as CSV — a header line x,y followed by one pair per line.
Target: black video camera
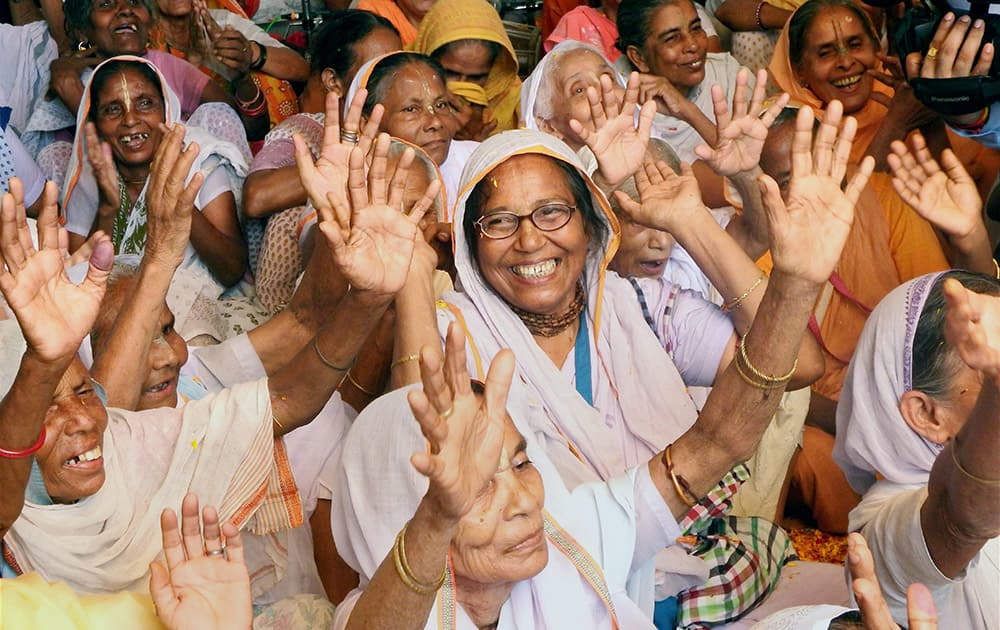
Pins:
x,y
955,96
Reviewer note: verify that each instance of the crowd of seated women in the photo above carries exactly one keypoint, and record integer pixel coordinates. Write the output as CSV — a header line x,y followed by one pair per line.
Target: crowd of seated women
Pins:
x,y
376,335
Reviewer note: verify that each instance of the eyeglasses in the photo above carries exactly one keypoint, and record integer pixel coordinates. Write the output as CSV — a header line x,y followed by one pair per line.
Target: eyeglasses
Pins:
x,y
547,218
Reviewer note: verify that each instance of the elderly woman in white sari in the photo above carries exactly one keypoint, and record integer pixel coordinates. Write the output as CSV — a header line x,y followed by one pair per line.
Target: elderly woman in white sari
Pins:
x,y
917,435
87,517
533,237
495,540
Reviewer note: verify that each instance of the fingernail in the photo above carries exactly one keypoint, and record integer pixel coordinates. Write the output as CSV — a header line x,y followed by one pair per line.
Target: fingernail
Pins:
x,y
964,19
977,24
948,17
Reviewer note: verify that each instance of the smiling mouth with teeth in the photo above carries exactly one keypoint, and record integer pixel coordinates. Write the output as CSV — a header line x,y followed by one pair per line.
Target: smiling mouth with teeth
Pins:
x,y
848,82
537,270
89,456
135,136
127,28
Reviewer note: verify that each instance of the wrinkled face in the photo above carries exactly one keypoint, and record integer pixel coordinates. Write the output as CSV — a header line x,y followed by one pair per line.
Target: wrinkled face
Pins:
x,y
174,8
677,45
501,540
417,110
534,270
643,251
468,61
575,71
376,43
836,55
776,157
167,354
119,27
71,460
128,114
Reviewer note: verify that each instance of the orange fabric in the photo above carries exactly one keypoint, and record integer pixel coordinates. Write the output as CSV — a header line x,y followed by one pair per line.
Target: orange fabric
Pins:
x,y
822,484
391,11
888,245
552,12
282,101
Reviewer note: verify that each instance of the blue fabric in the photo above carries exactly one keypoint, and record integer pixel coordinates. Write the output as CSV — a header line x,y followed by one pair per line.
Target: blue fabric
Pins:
x,y
665,614
581,358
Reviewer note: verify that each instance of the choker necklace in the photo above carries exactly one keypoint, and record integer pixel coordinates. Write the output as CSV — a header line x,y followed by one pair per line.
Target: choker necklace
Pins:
x,y
552,325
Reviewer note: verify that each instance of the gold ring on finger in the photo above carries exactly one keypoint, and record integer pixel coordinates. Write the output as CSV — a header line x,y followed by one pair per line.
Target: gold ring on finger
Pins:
x,y
932,52
447,412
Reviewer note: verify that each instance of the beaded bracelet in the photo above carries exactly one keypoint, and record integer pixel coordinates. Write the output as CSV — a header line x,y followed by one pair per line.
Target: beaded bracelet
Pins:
x,y
31,450
756,13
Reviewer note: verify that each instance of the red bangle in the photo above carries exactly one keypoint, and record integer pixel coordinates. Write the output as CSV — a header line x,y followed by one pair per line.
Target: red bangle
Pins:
x,y
977,126
31,450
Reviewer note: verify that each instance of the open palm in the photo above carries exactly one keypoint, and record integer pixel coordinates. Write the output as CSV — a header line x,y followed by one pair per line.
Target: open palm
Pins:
x,y
665,198
327,175
55,314
947,198
372,239
617,143
465,433
741,132
972,326
808,231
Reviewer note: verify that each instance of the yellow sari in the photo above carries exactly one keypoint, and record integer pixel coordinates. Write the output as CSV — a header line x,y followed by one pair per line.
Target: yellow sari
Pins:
x,y
452,20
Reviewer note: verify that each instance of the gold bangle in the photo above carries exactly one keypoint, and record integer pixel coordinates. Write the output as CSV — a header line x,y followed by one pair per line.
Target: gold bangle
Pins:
x,y
996,268
406,574
764,377
681,486
402,360
275,420
749,381
357,385
327,362
735,303
954,458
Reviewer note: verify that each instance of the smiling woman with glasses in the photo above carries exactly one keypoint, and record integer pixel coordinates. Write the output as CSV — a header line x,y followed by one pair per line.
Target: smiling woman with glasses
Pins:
x,y
547,218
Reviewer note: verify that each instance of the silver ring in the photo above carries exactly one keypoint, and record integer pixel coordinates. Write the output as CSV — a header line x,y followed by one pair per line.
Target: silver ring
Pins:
x,y
216,552
349,136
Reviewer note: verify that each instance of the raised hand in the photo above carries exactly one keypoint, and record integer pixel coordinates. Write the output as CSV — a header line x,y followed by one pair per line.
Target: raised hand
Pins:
x,y
372,238
169,204
199,587
816,203
102,163
327,174
465,434
875,615
947,198
741,133
617,143
665,198
668,99
972,327
55,314
230,47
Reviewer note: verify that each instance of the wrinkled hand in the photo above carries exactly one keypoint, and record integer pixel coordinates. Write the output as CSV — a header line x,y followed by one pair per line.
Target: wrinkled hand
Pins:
x,y
816,204
665,198
169,204
972,327
67,68
875,613
195,590
228,45
472,123
947,198
102,163
55,315
617,143
372,238
465,435
327,175
741,133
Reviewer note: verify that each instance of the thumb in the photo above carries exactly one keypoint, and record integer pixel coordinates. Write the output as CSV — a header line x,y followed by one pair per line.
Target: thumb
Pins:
x,y
101,260
774,205
161,590
921,613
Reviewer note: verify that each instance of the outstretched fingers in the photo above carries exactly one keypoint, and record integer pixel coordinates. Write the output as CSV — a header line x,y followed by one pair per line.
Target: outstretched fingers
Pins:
x,y
456,374
397,185
425,203
859,180
842,149
802,140
378,181
331,124
498,380
191,527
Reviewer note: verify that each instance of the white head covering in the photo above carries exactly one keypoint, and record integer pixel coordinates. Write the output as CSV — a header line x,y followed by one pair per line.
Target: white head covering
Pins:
x,y
872,436
542,74
646,383
81,197
12,347
378,491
